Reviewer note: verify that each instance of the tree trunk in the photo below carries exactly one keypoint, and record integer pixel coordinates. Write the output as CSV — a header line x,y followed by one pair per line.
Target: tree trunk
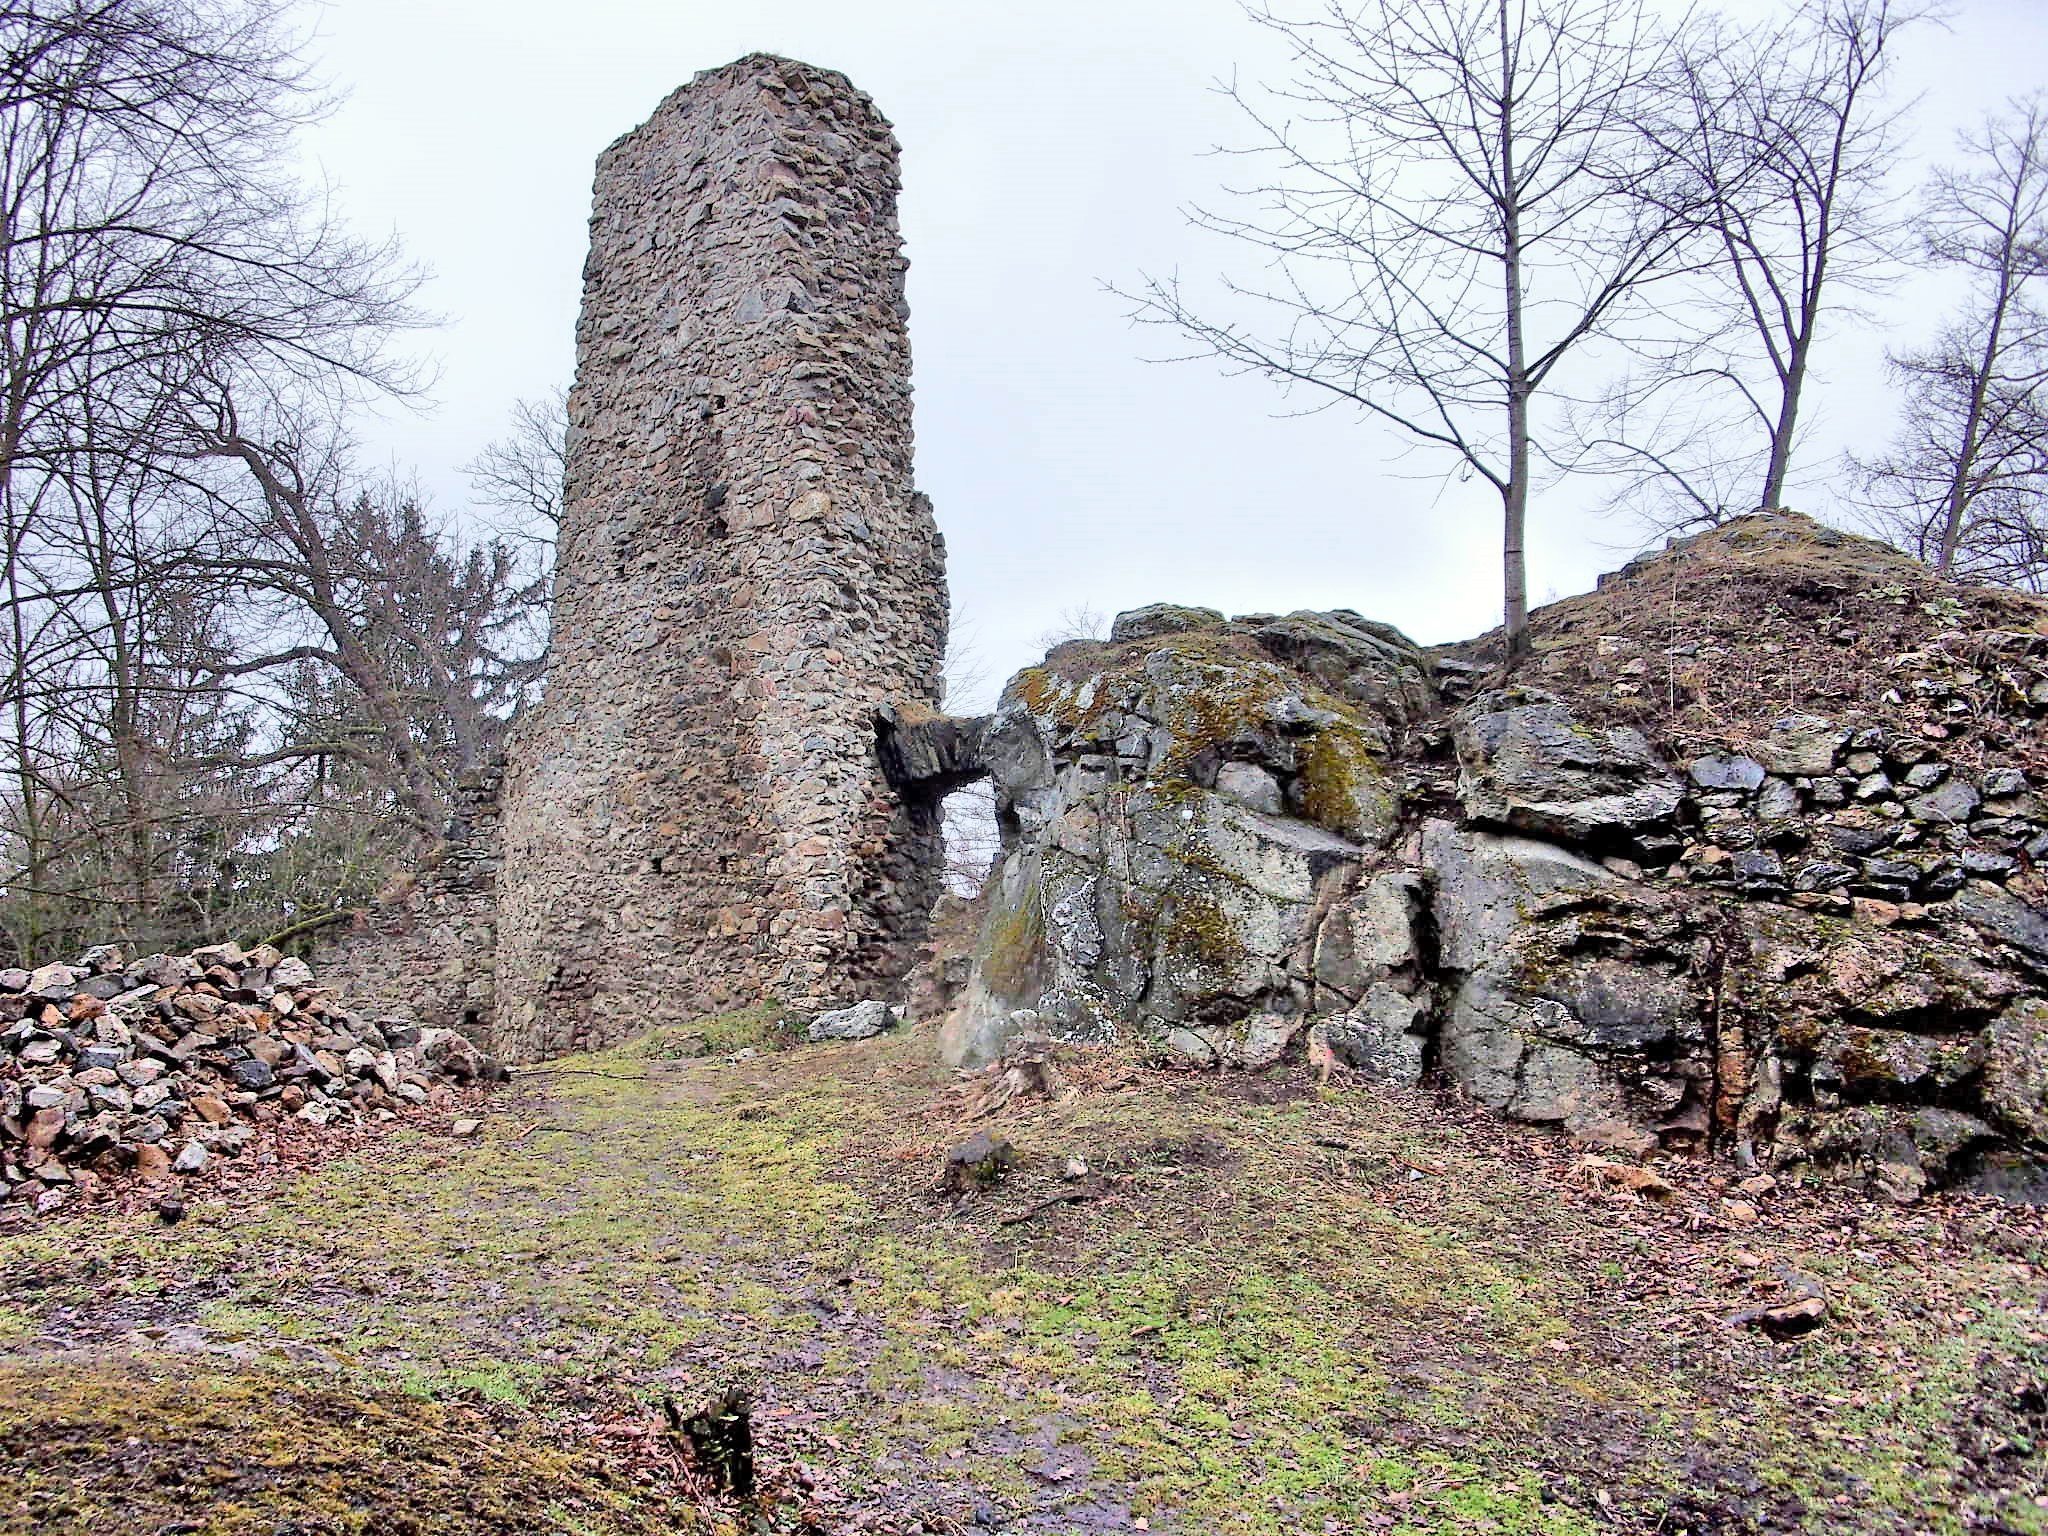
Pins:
x,y
1787,424
1515,494
1958,499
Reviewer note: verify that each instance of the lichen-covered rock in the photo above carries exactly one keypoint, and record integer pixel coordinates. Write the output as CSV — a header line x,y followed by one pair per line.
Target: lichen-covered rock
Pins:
x,y
1526,763
1238,839
1568,1000
1181,812
1162,619
2014,1087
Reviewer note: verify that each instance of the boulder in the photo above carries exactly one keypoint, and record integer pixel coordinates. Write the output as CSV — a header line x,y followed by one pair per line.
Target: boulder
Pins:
x,y
1176,826
2015,1070
861,1021
1158,619
1527,764
1536,1026
2005,917
1724,770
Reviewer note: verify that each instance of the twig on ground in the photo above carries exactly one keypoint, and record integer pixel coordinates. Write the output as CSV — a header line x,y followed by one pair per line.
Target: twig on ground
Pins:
x,y
1067,1197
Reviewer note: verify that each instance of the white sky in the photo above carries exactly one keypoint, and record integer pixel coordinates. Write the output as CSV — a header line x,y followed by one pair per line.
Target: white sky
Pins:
x,y
1048,148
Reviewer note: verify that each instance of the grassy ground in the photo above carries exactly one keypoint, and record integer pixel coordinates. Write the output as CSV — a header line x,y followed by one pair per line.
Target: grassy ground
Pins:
x,y
1264,1308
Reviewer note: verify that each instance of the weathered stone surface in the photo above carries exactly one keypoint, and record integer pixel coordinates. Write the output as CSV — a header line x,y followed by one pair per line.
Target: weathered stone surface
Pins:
x,y
2015,1068
696,816
1178,822
2005,917
1778,954
1727,771
1527,764
1952,803
429,947
1162,619
1801,746
1534,1028
926,756
863,1021
1383,1037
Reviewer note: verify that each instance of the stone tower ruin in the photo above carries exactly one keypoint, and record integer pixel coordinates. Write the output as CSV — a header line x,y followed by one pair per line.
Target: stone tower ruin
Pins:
x,y
696,816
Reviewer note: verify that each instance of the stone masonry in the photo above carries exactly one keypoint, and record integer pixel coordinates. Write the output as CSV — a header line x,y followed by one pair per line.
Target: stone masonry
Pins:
x,y
426,952
696,816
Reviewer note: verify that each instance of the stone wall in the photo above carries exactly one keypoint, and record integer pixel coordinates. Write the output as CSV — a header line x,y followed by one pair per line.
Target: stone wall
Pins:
x,y
426,952
695,817
1815,939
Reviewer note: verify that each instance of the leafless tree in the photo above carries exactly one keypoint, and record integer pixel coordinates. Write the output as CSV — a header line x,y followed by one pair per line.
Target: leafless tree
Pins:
x,y
520,475
154,246
1456,202
1076,621
1783,141
428,638
518,480
1965,485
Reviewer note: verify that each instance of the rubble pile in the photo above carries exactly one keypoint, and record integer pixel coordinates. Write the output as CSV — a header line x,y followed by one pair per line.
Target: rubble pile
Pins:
x,y
156,1066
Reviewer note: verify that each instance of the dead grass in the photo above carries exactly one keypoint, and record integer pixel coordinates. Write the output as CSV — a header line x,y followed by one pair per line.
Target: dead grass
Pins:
x,y
1276,1309
1703,644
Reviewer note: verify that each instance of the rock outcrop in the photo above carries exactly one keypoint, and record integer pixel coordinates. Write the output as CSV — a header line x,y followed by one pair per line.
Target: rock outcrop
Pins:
x,y
1816,933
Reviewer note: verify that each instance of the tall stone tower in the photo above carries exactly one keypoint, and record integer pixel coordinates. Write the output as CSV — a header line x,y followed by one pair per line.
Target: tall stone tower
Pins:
x,y
695,817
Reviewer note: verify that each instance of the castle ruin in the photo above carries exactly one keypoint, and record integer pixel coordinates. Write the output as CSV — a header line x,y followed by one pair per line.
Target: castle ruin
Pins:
x,y
748,589
746,575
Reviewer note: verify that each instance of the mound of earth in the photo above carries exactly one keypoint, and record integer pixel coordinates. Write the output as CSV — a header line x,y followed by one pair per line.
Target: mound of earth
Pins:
x,y
1714,637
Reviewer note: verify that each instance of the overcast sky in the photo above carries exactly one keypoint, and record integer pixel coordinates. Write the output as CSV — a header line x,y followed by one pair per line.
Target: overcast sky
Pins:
x,y
1048,147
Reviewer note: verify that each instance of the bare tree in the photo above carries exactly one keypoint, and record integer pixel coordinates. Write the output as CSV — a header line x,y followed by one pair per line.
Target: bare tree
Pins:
x,y
430,639
1076,621
1783,144
518,479
1965,485
155,246
1457,203
520,475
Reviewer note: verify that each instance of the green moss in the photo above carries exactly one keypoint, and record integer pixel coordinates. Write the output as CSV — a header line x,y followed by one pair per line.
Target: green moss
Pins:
x,y
1199,927
765,1026
1342,783
1013,950
181,1444
1271,1340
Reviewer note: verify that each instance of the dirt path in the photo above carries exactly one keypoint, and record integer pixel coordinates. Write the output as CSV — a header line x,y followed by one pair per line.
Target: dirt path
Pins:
x,y
1262,1308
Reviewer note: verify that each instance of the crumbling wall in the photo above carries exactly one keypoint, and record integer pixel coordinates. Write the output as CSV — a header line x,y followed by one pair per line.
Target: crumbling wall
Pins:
x,y
695,816
427,951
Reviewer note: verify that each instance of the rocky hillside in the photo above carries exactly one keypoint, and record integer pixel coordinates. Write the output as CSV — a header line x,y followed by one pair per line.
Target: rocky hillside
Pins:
x,y
1746,858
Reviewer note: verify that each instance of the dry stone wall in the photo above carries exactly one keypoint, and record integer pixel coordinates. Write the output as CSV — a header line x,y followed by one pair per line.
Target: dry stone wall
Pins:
x,y
696,816
426,953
